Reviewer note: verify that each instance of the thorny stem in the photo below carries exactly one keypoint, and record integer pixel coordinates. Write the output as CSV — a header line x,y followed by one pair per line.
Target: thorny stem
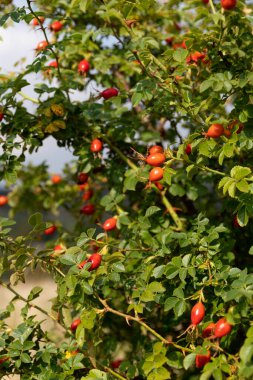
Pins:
x,y
128,317
29,2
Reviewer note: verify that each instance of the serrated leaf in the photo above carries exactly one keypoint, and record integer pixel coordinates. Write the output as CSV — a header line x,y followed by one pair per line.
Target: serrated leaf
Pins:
x,y
34,293
180,55
156,287
205,85
243,186
240,172
95,374
232,189
170,302
152,210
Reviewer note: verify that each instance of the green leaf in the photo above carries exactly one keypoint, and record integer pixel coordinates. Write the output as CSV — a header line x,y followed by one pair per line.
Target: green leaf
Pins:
x,y
156,287
25,358
136,98
95,374
177,190
180,308
84,5
180,55
175,359
189,361
35,219
243,186
88,318
34,293
152,210
240,172
205,85
87,288
68,259
118,267
242,216
170,302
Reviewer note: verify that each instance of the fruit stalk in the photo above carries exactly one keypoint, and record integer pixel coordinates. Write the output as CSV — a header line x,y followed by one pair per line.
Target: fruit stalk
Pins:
x,y
212,6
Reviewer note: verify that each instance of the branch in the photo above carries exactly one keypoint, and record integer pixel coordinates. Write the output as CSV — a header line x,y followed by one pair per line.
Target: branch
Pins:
x,y
172,212
121,155
128,317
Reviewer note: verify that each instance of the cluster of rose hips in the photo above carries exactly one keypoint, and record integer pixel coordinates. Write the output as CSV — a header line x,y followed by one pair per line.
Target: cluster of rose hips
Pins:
x,y
214,330
217,130
156,158
109,224
83,66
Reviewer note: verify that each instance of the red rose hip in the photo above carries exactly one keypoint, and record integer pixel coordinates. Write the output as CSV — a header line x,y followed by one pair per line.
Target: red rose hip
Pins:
x,y
155,149
83,67
96,146
56,26
58,247
35,21
208,331
156,174
42,45
201,360
197,313
110,224
95,260
75,324
3,200
155,159
222,328
87,194
88,209
109,93
53,64
82,178
228,4
50,230
56,179
215,131
188,149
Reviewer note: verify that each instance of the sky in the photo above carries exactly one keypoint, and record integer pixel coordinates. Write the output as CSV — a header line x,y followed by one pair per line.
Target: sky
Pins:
x,y
19,41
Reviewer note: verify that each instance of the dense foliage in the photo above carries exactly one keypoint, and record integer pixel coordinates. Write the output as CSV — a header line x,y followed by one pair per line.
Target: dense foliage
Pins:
x,y
150,251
